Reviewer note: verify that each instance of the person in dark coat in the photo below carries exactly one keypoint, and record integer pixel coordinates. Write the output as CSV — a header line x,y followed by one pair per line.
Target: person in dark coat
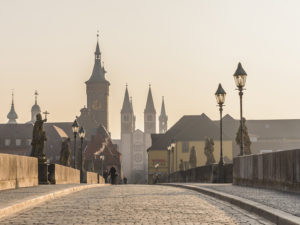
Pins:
x,y
112,173
105,175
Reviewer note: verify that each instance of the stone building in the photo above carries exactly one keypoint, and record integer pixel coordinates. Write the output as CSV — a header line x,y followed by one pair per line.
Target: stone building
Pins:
x,y
134,142
186,134
16,138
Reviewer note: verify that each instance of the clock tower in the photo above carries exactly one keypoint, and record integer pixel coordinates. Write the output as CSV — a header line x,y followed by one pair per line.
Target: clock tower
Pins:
x,y
97,91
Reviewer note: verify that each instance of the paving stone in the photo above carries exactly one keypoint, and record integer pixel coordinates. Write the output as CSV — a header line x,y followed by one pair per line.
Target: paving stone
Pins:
x,y
284,201
135,204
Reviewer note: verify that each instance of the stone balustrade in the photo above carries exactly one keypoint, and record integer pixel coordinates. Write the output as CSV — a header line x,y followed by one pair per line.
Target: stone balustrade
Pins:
x,y
277,170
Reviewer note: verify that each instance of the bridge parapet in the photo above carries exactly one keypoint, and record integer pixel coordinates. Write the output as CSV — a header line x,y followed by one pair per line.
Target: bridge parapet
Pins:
x,y
275,170
18,171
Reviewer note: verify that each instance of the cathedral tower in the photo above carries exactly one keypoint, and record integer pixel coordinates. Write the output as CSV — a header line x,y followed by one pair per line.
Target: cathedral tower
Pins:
x,y
163,118
127,129
127,115
150,115
97,90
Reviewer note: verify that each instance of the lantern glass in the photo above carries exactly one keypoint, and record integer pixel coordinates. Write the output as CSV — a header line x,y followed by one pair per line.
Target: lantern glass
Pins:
x,y
220,98
81,133
240,80
75,127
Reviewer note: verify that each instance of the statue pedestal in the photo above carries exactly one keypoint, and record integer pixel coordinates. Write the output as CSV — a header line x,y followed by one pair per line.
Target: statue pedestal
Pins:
x,y
43,173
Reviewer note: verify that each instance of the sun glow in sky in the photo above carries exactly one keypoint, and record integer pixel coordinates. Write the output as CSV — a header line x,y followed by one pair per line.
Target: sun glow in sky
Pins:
x,y
183,48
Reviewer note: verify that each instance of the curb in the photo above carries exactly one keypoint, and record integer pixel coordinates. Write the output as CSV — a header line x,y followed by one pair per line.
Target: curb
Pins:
x,y
37,200
274,215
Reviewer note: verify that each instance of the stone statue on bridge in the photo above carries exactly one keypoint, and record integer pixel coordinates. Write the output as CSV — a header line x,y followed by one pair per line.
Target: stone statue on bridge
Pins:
x,y
209,150
65,153
246,139
193,158
38,140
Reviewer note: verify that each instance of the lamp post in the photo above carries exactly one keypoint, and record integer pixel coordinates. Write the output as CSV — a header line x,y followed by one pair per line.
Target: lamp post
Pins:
x,y
240,80
81,135
169,161
75,128
220,96
102,157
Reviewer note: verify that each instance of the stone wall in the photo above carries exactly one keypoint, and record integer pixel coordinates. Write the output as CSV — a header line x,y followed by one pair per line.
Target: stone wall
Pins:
x,y
101,180
276,170
18,171
89,177
59,174
202,174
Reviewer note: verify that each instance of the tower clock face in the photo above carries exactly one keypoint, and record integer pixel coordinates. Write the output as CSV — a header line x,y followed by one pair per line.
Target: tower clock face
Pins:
x,y
96,105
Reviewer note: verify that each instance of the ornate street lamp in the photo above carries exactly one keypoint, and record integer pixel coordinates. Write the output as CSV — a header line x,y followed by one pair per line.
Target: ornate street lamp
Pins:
x,y
170,149
81,135
240,80
75,129
220,96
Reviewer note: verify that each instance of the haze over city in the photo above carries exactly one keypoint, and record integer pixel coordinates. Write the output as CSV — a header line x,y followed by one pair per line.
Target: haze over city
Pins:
x,y
183,50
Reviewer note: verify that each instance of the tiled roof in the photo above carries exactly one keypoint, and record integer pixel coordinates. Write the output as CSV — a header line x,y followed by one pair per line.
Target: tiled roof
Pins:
x,y
264,129
188,128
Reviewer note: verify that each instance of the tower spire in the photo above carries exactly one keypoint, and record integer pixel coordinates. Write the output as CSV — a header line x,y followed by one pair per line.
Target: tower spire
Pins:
x,y
149,104
97,52
35,96
163,118
35,109
98,74
12,115
127,105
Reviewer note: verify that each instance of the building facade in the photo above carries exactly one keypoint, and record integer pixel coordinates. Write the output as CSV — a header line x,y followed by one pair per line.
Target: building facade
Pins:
x,y
188,133
134,142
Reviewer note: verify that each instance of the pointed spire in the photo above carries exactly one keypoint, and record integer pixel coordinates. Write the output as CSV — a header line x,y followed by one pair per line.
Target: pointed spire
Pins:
x,y
149,105
163,109
127,106
131,106
98,74
12,115
97,52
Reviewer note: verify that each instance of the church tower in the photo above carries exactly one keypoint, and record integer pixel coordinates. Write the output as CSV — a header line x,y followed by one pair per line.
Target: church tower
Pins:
x,y
127,129
127,115
97,90
12,115
163,118
35,109
150,115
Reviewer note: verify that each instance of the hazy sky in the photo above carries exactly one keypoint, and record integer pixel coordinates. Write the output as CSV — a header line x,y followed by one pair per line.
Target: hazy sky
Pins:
x,y
184,48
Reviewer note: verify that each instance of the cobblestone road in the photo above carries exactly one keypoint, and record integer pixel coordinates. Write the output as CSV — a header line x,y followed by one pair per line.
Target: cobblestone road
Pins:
x,y
134,204
285,201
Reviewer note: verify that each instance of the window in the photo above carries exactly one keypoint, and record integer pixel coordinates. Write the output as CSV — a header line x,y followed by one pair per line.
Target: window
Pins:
x,y
28,141
18,142
185,146
7,142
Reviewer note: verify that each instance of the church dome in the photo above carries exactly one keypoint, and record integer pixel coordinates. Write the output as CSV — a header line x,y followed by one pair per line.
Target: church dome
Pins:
x,y
35,108
12,115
